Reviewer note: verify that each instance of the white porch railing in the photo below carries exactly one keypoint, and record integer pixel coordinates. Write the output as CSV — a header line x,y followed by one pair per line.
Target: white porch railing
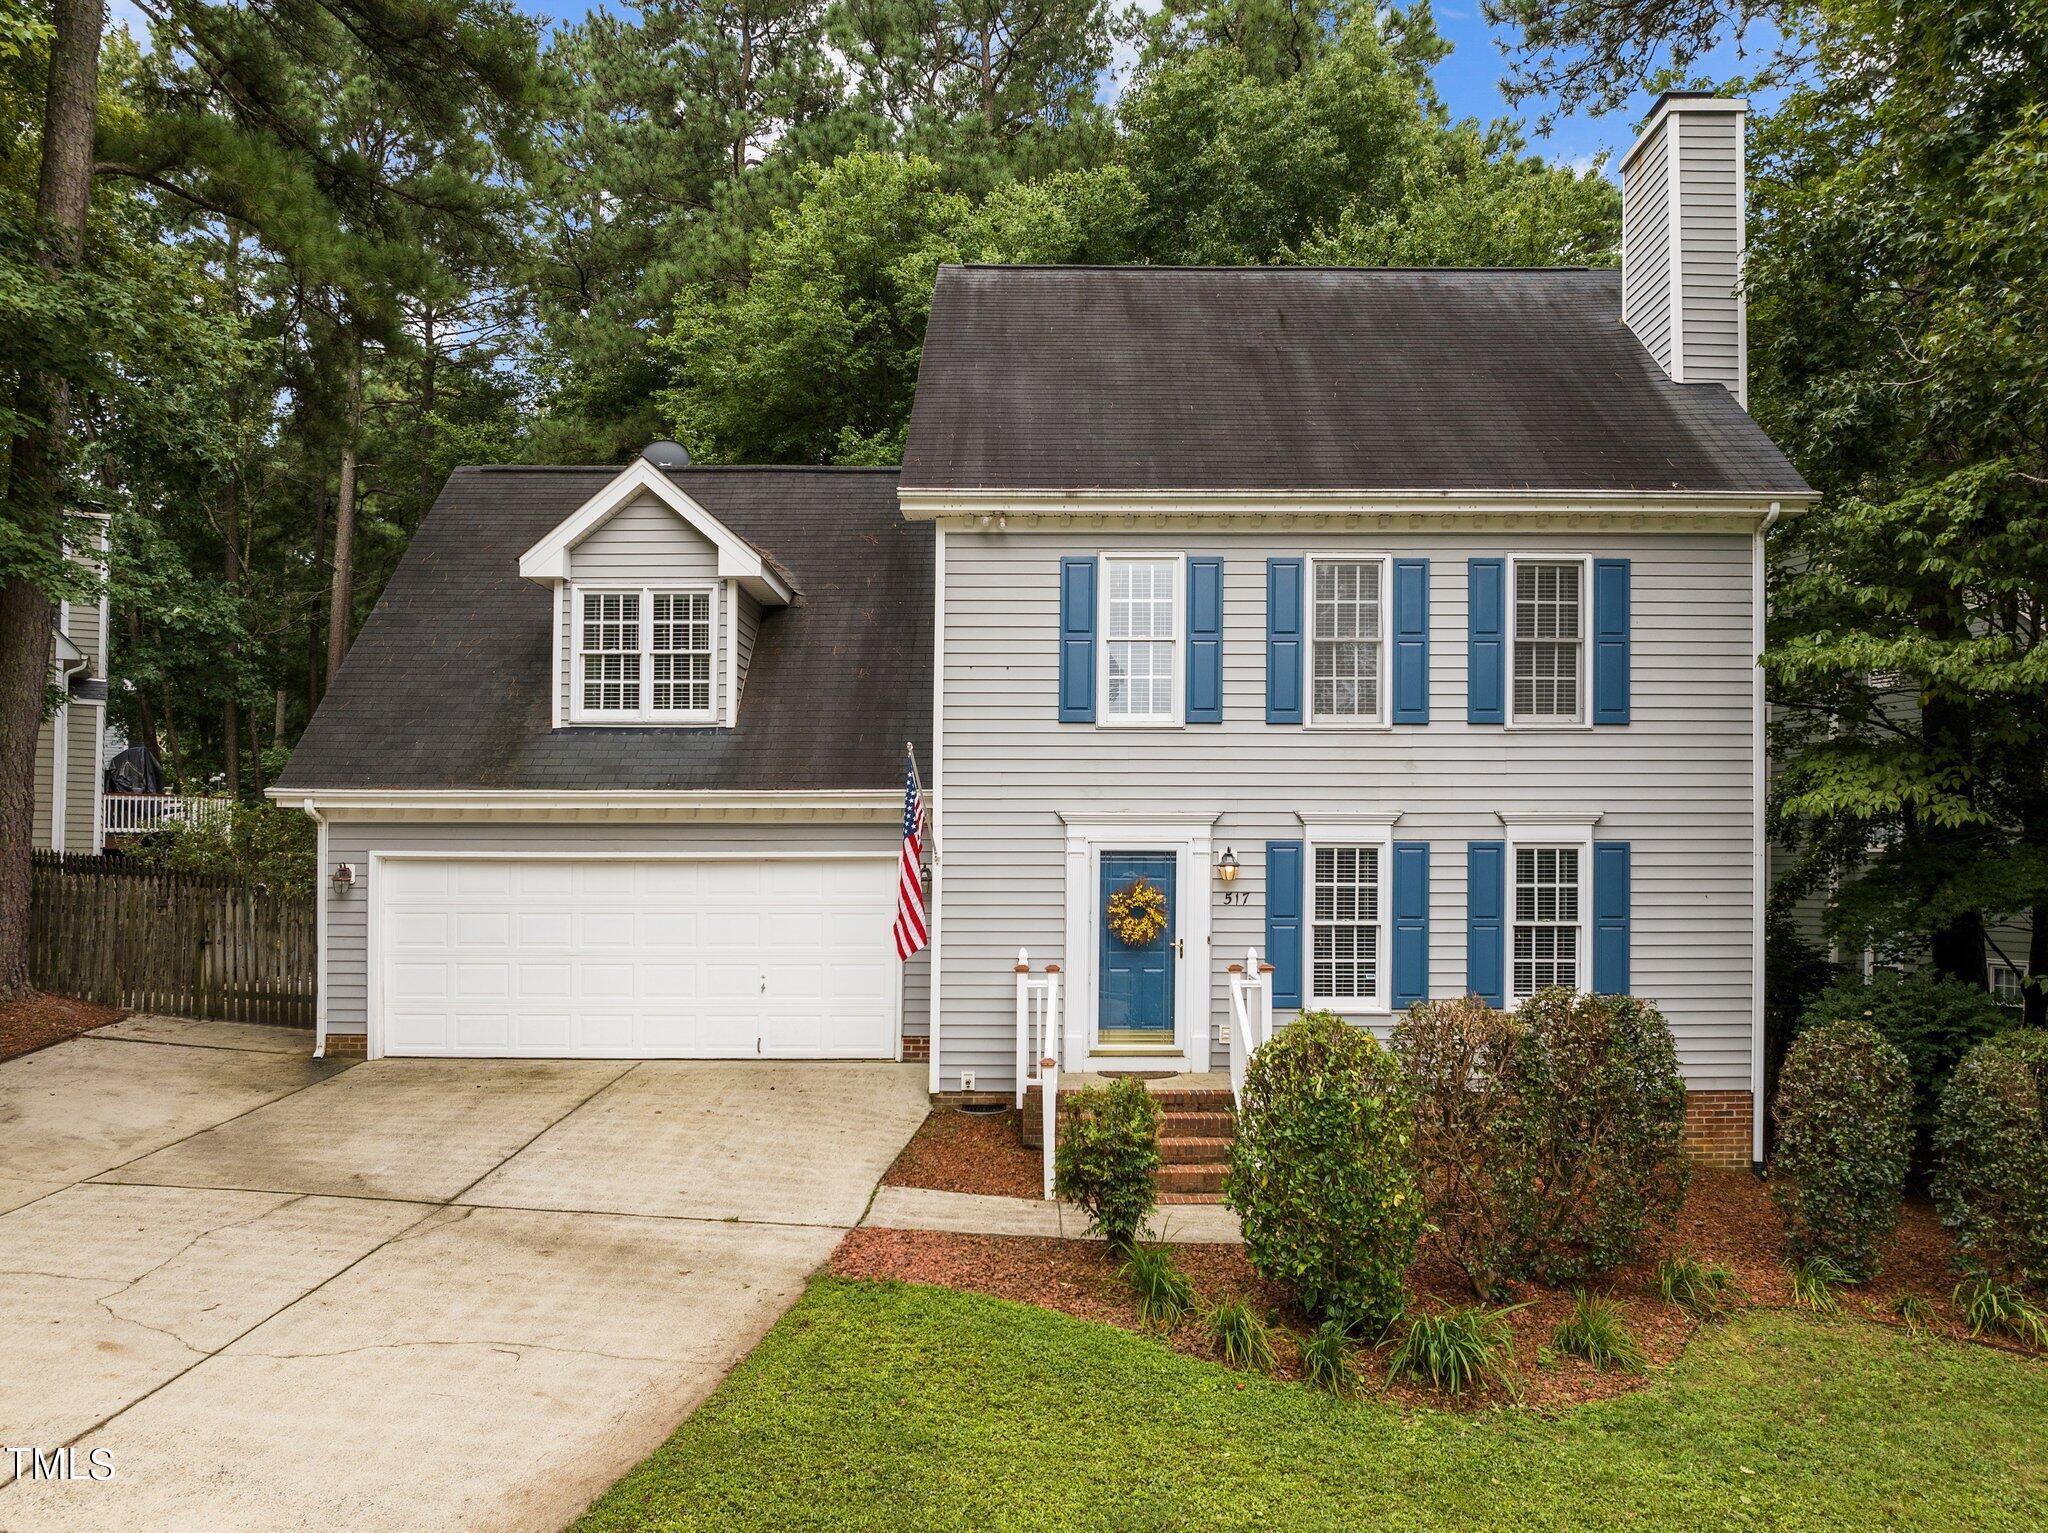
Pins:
x,y
1251,1015
1038,1021
134,814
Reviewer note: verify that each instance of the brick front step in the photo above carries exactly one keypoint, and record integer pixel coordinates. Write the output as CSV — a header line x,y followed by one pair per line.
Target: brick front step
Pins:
x,y
1174,1199
1197,1125
1193,1151
1204,1176
1204,1101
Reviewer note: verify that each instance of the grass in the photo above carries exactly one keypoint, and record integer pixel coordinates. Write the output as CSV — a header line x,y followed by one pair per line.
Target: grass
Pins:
x,y
1702,1290
1814,1285
1595,1331
1326,1359
1165,1296
1242,1339
2001,1310
1917,1312
882,1406
1456,1350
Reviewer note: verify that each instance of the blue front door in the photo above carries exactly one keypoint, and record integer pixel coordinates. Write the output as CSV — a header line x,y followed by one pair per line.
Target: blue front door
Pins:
x,y
1136,1005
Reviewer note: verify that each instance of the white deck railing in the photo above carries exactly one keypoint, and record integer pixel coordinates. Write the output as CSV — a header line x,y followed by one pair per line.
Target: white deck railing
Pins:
x,y
1038,1021
134,814
1251,1016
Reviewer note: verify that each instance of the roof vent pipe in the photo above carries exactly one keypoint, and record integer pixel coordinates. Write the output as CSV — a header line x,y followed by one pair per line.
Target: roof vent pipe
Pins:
x,y
666,455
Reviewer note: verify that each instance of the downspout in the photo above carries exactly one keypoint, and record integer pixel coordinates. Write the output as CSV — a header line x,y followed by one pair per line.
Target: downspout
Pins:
x,y
320,930
1760,788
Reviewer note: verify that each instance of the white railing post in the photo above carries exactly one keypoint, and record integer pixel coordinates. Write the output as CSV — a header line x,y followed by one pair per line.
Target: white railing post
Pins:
x,y
1024,1055
1265,999
1240,1025
1049,1109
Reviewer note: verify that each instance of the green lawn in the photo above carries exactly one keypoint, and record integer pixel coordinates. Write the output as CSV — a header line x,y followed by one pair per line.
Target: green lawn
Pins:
x,y
886,1406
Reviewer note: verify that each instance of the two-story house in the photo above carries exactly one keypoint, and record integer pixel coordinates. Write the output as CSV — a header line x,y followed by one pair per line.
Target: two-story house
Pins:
x,y
1397,626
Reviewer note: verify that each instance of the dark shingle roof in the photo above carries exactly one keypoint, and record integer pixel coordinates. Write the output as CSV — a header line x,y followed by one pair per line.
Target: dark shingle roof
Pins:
x,y
447,685
1275,378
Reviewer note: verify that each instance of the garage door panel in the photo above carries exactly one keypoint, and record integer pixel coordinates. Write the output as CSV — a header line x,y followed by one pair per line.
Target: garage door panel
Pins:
x,y
646,958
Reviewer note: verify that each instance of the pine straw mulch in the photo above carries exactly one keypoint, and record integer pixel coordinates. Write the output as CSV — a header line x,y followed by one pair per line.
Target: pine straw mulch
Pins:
x,y
955,1151
1728,1219
37,1021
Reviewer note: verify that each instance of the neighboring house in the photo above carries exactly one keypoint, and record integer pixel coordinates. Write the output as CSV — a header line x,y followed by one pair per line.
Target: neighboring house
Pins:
x,y
70,811
1427,602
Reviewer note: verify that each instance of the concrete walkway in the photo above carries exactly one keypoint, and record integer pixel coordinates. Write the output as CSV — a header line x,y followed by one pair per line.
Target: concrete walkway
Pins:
x,y
968,1213
411,1294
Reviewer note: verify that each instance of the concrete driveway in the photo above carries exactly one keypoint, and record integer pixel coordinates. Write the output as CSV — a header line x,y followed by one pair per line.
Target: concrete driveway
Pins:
x,y
411,1294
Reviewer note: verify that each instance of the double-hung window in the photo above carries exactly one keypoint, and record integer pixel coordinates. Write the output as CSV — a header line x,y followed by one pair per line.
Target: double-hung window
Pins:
x,y
1141,640
1550,643
644,655
1548,929
1347,644
2008,985
1349,865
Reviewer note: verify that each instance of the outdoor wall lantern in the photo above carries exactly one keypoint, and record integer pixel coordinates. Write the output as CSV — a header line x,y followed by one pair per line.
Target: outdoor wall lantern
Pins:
x,y
344,877
1226,866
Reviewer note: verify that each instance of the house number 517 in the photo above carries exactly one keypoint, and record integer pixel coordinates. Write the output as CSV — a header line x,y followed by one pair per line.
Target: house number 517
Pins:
x,y
1237,896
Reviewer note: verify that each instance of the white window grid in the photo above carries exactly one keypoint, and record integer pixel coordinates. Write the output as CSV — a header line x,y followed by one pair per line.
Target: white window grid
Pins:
x,y
2007,985
1141,642
1347,925
1548,924
1549,629
1347,640
645,654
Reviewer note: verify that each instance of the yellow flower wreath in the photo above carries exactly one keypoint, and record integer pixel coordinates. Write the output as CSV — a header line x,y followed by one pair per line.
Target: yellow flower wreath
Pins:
x,y
1137,913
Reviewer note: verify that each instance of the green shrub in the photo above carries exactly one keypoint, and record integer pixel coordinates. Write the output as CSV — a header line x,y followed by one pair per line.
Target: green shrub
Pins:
x,y
1991,1159
1595,1331
1241,1338
1321,1172
1594,1158
266,844
1457,1057
1326,1359
1456,1350
1933,1021
1814,1282
1917,1312
1702,1289
1165,1296
2001,1309
1845,1134
1106,1157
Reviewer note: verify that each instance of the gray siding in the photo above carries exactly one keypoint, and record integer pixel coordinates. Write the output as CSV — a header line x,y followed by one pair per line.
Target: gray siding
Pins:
x,y
82,779
1646,246
1710,236
749,630
348,915
1675,783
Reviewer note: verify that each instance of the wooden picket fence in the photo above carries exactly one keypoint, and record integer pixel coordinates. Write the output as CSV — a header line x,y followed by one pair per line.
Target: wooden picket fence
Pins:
x,y
111,930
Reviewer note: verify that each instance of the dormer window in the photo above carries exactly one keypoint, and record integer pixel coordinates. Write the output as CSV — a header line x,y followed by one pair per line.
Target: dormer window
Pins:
x,y
645,655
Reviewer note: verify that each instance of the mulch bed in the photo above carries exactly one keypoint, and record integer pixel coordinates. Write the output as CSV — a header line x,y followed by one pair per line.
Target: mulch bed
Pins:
x,y
955,1151
1728,1219
37,1021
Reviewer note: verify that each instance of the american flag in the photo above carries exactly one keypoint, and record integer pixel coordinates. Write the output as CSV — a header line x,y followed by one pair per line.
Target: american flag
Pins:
x,y
909,928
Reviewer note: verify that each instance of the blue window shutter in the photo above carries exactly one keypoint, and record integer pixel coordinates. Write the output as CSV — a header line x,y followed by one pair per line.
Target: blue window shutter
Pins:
x,y
1411,641
1283,920
1486,641
1284,635
1411,923
1486,865
1610,917
1610,641
1077,641
1205,641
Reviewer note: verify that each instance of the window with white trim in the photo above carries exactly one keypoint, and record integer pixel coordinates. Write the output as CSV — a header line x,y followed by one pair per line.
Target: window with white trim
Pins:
x,y
1548,899
1141,641
1347,640
2007,985
1549,641
645,655
1346,931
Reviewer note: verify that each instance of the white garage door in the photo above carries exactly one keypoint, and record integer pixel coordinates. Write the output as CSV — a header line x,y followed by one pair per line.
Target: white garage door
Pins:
x,y
637,959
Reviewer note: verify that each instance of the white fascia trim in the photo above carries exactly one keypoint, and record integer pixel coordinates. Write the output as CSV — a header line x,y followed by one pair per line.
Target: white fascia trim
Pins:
x,y
1090,819
549,558
935,798
883,804
1548,819
1361,825
928,505
1670,107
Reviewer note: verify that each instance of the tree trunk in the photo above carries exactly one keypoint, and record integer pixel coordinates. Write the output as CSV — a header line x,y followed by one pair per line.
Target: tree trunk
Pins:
x,y
1958,951
746,92
145,710
315,649
36,468
2036,994
988,88
231,550
341,608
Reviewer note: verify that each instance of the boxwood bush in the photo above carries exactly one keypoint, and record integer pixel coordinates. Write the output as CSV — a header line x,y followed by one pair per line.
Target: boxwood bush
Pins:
x,y
1321,1172
1845,1135
1458,1058
1991,1159
1933,1021
1594,1158
1106,1156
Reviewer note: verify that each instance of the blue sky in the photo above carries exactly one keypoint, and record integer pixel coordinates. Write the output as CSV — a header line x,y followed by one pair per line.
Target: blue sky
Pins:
x,y
1469,80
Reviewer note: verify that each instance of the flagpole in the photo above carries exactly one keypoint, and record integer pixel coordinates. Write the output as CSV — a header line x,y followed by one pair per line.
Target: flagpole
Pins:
x,y
911,751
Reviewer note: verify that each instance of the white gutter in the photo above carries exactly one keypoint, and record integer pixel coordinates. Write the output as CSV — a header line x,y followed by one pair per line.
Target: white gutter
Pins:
x,y
845,803
1760,768
320,871
921,504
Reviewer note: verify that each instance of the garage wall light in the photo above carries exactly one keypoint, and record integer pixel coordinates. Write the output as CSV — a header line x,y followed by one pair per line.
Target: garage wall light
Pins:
x,y
344,877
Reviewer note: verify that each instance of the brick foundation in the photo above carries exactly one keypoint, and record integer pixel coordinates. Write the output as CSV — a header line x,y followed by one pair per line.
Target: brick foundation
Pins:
x,y
917,1051
347,1046
1718,1128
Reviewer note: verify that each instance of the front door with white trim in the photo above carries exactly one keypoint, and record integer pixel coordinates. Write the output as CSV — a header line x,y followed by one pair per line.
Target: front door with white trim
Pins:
x,y
635,958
